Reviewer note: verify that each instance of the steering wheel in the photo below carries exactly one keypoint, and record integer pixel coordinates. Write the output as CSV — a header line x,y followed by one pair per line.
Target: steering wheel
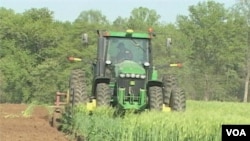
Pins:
x,y
127,55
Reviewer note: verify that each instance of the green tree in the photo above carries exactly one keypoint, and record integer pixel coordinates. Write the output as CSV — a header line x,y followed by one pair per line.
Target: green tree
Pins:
x,y
92,17
243,7
29,53
212,32
15,63
142,18
120,23
15,67
38,30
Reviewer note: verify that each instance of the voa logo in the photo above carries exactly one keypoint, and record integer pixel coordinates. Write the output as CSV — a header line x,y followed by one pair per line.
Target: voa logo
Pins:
x,y
236,132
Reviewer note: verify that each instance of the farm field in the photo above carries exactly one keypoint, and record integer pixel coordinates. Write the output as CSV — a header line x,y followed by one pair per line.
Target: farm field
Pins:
x,y
15,127
201,121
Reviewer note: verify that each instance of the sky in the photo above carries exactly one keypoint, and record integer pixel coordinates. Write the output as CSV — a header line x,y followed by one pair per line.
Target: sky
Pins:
x,y
69,10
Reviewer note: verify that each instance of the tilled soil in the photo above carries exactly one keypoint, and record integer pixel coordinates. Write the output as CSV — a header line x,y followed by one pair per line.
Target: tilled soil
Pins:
x,y
15,127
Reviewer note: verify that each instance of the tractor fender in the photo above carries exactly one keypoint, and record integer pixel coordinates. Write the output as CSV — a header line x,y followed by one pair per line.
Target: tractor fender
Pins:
x,y
154,83
102,80
99,80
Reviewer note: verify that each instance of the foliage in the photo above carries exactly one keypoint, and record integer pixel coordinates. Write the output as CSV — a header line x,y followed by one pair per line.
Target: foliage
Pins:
x,y
29,110
194,124
92,17
141,18
216,50
210,43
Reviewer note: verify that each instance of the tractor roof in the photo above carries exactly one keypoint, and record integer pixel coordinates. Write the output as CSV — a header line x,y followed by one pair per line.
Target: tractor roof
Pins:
x,y
128,33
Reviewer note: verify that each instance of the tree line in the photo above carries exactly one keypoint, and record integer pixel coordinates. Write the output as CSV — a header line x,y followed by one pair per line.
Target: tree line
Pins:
x,y
212,43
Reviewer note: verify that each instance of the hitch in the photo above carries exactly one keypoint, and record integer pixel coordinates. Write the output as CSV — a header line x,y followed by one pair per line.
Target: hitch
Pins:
x,y
59,106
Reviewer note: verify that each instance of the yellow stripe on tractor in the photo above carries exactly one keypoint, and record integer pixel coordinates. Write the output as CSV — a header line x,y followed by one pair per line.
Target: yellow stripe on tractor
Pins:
x,y
74,59
175,65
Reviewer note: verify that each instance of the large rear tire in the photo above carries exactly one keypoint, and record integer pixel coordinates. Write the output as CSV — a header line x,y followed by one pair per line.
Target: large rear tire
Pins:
x,y
103,96
155,96
178,100
169,84
78,92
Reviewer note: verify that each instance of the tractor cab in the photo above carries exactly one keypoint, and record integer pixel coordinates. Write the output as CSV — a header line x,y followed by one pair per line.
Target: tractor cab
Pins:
x,y
128,57
123,62
131,49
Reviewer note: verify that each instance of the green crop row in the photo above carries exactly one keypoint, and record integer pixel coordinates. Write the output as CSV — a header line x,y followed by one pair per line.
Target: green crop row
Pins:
x,y
201,121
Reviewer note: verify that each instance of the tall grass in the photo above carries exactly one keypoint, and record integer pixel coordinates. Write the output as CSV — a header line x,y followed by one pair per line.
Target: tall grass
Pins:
x,y
201,121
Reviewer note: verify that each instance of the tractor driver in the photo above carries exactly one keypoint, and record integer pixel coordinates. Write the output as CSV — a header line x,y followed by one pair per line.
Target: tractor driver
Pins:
x,y
124,53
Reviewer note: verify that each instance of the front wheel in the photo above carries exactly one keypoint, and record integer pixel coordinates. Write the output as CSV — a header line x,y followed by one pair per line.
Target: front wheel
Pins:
x,y
178,100
155,95
103,96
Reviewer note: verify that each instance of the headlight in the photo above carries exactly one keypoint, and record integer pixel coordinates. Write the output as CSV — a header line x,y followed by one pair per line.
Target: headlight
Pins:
x,y
146,64
108,62
122,75
143,76
127,75
137,76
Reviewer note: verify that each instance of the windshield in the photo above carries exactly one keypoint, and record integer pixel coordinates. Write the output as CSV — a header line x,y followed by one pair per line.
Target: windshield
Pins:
x,y
133,49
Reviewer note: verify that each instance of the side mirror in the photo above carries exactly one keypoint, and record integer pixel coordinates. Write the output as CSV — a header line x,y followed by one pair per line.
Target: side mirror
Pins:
x,y
85,38
169,42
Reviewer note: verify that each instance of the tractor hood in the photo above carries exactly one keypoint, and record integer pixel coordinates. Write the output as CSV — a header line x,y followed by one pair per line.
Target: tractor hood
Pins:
x,y
129,67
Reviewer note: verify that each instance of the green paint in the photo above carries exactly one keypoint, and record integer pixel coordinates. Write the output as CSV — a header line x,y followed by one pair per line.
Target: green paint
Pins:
x,y
154,74
121,94
143,97
129,102
128,66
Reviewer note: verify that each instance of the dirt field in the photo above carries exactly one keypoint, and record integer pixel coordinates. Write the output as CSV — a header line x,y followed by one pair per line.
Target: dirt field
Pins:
x,y
15,127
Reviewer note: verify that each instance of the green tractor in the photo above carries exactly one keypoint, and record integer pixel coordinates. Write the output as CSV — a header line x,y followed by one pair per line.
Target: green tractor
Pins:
x,y
124,76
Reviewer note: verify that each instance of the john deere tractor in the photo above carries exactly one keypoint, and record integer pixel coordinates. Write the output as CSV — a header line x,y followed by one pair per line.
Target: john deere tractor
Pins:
x,y
124,76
